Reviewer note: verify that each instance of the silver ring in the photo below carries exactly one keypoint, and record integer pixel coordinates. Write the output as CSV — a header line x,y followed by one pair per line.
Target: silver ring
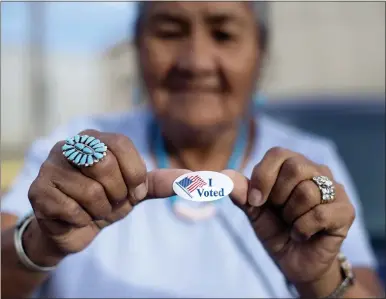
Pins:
x,y
326,187
84,150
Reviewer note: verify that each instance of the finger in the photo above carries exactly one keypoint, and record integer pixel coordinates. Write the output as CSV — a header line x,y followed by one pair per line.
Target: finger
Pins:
x,y
304,198
131,165
293,171
240,187
49,203
88,193
91,196
326,171
159,183
107,171
108,175
240,194
120,210
265,173
334,219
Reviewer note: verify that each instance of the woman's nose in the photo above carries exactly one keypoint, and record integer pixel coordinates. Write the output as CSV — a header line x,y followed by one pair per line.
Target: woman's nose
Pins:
x,y
197,56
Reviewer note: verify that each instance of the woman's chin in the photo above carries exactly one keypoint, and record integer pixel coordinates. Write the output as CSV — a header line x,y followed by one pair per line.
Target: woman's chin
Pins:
x,y
202,122
197,128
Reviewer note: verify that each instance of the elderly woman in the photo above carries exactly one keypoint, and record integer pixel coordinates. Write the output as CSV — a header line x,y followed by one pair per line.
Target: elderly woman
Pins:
x,y
100,231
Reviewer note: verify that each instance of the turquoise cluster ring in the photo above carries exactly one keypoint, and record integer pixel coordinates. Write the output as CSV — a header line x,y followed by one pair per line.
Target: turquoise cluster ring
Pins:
x,y
84,150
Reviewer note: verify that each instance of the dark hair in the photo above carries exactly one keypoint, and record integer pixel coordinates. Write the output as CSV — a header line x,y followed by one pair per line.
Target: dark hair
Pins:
x,y
261,11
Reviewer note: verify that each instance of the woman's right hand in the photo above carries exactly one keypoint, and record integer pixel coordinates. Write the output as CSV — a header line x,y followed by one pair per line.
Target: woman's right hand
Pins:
x,y
72,205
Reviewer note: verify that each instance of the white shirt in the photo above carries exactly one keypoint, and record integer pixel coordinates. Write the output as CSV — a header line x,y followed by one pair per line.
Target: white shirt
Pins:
x,y
152,253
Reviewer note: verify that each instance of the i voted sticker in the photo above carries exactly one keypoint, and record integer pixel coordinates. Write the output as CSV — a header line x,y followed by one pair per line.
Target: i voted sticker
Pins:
x,y
202,186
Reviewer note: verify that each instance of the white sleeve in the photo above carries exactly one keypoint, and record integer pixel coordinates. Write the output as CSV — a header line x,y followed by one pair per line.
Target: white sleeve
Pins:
x,y
357,246
15,201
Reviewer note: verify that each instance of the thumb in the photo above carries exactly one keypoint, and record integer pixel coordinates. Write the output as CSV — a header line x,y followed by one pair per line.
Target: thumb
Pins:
x,y
160,182
239,194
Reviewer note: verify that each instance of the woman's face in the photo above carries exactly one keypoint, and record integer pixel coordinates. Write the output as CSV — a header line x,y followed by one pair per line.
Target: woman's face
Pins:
x,y
199,61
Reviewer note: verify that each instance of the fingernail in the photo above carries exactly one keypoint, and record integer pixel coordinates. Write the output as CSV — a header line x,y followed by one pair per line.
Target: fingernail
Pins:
x,y
140,192
255,197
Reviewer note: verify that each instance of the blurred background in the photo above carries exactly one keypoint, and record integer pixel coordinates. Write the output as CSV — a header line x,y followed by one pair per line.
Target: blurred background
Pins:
x,y
326,73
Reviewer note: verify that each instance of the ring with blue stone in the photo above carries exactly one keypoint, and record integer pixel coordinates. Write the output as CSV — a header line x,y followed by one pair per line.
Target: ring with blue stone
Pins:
x,y
84,150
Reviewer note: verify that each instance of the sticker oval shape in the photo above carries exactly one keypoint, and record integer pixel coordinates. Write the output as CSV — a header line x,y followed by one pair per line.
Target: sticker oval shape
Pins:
x,y
203,186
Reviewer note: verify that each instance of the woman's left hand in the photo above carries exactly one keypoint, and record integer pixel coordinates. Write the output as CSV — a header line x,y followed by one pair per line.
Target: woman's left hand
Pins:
x,y
285,208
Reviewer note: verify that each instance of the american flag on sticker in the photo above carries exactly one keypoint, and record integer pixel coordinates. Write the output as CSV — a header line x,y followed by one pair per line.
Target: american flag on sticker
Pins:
x,y
191,183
